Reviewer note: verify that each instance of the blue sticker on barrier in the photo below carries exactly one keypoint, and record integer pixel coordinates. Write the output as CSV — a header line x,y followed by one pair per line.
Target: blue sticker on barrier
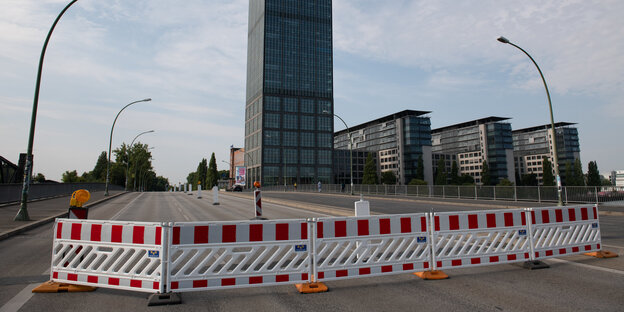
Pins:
x,y
153,253
522,232
594,225
299,248
421,239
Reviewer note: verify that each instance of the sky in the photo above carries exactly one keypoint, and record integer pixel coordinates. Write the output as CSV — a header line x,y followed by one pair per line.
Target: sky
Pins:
x,y
190,58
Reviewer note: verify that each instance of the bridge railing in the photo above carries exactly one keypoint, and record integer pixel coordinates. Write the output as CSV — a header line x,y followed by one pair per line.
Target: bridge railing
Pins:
x,y
13,192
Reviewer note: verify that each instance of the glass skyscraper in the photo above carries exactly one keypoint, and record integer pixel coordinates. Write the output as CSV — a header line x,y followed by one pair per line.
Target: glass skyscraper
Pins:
x,y
289,102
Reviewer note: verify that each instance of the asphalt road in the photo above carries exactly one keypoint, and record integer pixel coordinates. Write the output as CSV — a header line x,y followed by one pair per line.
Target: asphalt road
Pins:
x,y
574,283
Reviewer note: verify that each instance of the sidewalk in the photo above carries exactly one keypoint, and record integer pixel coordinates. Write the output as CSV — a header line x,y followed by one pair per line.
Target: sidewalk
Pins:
x,y
43,211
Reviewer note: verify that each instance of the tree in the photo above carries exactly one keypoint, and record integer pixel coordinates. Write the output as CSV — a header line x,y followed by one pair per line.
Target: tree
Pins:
x,y
593,175
388,177
578,173
213,175
420,170
39,178
547,177
486,177
466,179
202,172
505,182
417,182
70,177
99,171
570,179
455,179
529,179
440,172
370,171
191,178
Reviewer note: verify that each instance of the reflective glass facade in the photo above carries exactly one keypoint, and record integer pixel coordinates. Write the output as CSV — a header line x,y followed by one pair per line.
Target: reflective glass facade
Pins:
x,y
289,100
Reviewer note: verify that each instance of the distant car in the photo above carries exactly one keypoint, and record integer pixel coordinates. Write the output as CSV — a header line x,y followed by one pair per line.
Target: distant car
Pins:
x,y
237,188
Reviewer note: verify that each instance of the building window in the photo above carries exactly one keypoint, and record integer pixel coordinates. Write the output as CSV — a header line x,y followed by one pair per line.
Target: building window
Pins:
x,y
324,107
290,156
272,155
272,120
325,140
290,105
324,157
307,106
272,137
307,122
307,157
290,138
325,123
272,103
307,139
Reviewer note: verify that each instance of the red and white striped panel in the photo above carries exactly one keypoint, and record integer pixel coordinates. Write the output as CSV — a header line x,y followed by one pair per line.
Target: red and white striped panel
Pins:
x,y
234,282
473,238
238,232
87,279
560,231
140,233
372,270
371,226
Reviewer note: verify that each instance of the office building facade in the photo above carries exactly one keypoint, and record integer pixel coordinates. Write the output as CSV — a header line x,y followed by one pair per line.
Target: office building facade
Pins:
x,y
289,99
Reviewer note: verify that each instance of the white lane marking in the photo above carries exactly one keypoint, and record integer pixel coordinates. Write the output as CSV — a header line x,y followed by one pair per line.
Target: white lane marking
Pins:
x,y
587,266
19,300
125,208
179,207
299,209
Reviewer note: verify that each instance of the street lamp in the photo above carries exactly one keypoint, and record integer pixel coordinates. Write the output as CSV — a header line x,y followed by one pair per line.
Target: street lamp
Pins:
x,y
22,214
128,153
350,147
110,143
552,120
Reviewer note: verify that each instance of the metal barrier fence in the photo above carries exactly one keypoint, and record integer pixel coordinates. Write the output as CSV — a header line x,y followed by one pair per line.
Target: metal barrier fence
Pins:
x,y
193,256
13,192
570,194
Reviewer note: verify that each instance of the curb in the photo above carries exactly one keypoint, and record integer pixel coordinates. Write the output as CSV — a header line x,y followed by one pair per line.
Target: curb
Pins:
x,y
41,222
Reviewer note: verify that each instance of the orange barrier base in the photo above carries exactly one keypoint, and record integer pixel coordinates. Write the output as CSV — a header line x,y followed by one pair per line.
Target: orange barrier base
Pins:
x,y
602,254
432,275
311,288
55,287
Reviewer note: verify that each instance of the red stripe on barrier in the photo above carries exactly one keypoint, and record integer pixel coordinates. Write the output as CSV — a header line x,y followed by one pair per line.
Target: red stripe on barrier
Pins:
x,y
116,233
228,234
572,214
598,246
384,226
200,235
255,280
526,255
158,236
475,260
558,215
365,271
437,223
386,269
55,275
494,259
408,266
156,285
174,285
491,220
595,212
113,281
255,233
453,222
545,217
362,226
76,229
341,273
319,230
508,219
320,275
282,278
406,225
200,284
588,247
228,281
562,251
575,249
340,228
96,232
439,264
304,276
536,254
532,217
584,213
136,283
59,230
304,230
72,277
281,231
176,235
549,253
138,234
473,221
92,279
425,265
523,217
423,224
511,257
457,262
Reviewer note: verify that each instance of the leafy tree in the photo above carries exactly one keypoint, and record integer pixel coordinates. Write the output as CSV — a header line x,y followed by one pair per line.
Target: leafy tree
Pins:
x,y
440,172
529,179
466,179
417,182
486,177
388,177
578,173
158,184
202,172
99,171
455,179
505,182
605,182
420,170
570,179
370,171
70,177
192,178
39,178
593,175
547,177
213,175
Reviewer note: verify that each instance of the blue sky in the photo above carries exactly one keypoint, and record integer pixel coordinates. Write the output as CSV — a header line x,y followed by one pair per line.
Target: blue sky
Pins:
x,y
190,58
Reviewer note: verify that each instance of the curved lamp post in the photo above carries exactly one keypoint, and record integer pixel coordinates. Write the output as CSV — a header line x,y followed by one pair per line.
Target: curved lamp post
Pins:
x,y
350,147
110,143
552,120
22,214
128,153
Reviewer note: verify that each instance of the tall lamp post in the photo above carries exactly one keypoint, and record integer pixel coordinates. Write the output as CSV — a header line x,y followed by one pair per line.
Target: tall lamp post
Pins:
x,y
22,214
128,153
110,143
552,120
350,147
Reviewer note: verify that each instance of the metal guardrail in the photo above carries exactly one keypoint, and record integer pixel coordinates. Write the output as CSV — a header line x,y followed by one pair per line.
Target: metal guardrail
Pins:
x,y
570,194
13,192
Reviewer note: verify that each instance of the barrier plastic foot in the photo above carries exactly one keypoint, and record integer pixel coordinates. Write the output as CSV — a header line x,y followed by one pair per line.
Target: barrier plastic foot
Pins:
x,y
602,254
259,218
55,287
432,275
311,288
164,299
535,265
